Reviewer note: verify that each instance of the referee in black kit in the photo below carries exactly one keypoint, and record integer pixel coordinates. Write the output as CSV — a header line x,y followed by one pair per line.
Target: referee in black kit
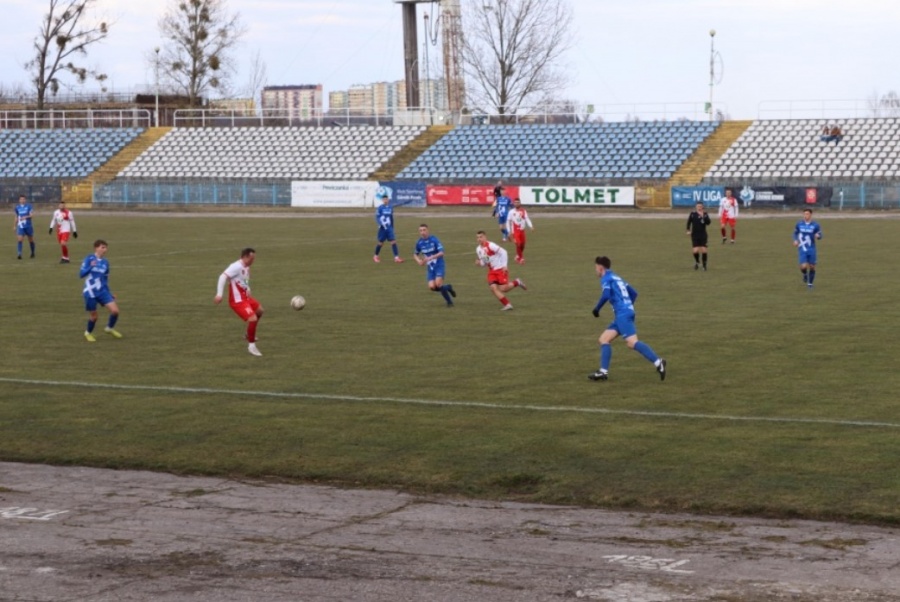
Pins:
x,y
697,222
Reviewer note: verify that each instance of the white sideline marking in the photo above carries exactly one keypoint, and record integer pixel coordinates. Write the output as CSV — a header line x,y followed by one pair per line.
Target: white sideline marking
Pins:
x,y
461,404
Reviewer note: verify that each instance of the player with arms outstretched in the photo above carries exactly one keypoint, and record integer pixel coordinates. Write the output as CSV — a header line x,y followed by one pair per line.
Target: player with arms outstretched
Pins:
x,y
806,233
516,222
23,226
248,309
64,220
384,217
495,258
621,296
430,253
95,271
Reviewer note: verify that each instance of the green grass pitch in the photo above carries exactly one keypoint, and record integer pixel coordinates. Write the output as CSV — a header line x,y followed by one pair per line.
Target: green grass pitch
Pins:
x,y
779,401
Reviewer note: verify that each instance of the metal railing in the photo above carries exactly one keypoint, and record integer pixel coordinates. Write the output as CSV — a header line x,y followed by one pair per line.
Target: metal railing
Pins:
x,y
70,119
309,118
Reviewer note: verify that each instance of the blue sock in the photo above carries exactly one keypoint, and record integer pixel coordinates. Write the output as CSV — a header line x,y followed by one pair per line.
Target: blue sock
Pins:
x,y
377,249
445,294
805,276
19,247
113,318
644,349
505,233
812,276
395,250
605,356
90,325
32,247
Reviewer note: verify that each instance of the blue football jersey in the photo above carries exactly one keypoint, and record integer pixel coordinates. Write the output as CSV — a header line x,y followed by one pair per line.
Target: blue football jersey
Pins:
x,y
384,216
806,234
21,212
429,246
504,204
620,295
96,275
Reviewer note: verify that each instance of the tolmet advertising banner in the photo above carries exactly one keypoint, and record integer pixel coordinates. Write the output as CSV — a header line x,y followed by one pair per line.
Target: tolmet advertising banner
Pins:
x,y
325,194
466,195
578,196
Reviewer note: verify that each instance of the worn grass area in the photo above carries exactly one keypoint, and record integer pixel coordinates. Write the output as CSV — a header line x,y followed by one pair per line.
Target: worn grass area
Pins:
x,y
780,401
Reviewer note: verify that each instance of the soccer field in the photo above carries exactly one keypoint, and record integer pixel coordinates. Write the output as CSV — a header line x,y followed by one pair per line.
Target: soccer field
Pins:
x,y
779,401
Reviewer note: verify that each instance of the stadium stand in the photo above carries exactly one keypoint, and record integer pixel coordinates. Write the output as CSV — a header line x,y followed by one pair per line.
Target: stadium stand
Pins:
x,y
59,154
560,153
791,151
271,153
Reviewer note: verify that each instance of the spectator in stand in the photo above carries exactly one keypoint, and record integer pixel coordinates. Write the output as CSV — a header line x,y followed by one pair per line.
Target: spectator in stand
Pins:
x,y
831,134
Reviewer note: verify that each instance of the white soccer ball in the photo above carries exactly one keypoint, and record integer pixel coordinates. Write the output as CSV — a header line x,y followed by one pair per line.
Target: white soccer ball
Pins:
x,y
298,302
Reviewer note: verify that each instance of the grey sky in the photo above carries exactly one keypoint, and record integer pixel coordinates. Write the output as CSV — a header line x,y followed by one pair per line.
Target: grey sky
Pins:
x,y
639,51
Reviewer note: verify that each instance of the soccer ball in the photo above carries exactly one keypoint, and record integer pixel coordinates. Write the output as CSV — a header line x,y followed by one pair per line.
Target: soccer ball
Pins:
x,y
298,302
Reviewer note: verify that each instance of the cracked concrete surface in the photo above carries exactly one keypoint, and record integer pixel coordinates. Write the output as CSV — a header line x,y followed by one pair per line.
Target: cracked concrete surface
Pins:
x,y
94,535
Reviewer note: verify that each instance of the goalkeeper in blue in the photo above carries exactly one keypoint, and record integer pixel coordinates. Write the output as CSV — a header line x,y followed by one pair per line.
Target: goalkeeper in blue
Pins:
x,y
621,296
806,233
384,217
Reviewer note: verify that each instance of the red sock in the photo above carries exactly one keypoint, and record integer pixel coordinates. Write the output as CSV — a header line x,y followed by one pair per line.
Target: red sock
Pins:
x,y
65,252
251,331
504,301
723,232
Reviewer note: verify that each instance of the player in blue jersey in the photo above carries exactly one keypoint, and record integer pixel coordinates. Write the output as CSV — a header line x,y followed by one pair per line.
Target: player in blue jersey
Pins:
x,y
23,226
500,208
432,256
95,271
621,296
384,217
806,233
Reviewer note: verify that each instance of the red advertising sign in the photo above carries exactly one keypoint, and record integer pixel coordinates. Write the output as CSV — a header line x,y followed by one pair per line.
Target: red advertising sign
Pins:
x,y
811,196
465,195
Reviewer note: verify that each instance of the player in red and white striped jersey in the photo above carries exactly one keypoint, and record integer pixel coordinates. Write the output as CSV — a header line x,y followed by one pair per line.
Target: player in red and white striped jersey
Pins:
x,y
237,276
495,258
64,221
516,222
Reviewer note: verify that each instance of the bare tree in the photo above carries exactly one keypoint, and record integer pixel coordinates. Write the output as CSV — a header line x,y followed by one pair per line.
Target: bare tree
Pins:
x,y
64,36
512,52
887,105
200,37
257,78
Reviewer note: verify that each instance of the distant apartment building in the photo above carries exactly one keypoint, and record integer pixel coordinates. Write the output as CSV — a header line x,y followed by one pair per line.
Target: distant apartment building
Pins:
x,y
383,98
304,101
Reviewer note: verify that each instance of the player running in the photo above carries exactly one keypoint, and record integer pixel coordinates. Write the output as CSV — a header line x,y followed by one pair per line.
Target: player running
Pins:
x,y
495,258
248,309
23,226
64,220
516,222
432,256
806,233
384,217
95,271
621,297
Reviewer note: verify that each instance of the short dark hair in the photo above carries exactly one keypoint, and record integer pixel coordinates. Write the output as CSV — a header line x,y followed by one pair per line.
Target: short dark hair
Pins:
x,y
423,225
731,190
604,261
805,209
100,242
481,232
247,252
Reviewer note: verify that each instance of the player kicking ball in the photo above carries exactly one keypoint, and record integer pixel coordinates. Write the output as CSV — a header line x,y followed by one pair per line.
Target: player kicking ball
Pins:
x,y
248,309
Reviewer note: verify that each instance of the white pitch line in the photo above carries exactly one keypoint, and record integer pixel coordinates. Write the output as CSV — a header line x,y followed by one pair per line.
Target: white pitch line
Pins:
x,y
461,404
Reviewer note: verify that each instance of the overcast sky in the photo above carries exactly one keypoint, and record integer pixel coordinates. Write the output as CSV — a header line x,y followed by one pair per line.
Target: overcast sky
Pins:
x,y
625,51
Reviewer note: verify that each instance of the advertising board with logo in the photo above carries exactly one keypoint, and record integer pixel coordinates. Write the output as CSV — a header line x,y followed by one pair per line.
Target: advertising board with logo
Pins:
x,y
324,194
578,196
466,195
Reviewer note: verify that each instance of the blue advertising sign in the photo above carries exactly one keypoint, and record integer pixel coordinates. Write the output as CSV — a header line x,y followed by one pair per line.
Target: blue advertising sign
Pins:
x,y
688,196
406,194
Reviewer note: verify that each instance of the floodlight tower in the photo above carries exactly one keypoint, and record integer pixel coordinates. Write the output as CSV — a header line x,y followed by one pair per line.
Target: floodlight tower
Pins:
x,y
411,50
452,51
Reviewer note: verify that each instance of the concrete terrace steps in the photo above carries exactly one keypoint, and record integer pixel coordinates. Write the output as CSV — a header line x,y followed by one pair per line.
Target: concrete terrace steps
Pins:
x,y
81,193
424,141
691,172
